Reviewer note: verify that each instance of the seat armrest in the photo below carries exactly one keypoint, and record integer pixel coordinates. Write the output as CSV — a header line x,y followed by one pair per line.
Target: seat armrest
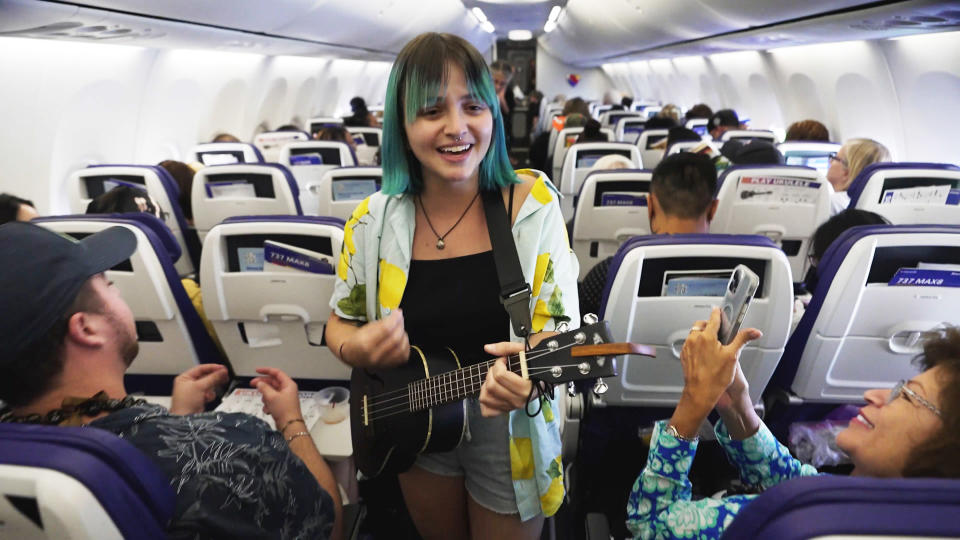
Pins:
x,y
353,515
597,526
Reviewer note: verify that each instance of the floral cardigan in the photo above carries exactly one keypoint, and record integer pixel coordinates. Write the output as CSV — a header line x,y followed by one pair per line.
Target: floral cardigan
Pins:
x,y
660,505
372,272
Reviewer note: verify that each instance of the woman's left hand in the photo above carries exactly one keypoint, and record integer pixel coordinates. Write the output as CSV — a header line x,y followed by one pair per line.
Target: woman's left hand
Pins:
x,y
503,391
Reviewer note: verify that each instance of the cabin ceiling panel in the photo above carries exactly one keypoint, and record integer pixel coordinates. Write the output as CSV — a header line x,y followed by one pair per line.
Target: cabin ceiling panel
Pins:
x,y
371,26
625,30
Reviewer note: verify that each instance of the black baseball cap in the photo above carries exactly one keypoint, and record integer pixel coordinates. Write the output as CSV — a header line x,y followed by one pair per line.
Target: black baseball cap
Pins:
x,y
724,117
41,273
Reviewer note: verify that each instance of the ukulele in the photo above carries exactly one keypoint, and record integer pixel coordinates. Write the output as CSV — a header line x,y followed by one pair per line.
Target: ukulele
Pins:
x,y
399,413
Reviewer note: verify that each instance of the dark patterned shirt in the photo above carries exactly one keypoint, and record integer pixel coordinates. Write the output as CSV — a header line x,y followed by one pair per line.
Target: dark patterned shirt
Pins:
x,y
233,475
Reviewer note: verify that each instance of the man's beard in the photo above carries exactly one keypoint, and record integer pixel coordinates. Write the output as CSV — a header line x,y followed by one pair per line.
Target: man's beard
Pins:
x,y
128,346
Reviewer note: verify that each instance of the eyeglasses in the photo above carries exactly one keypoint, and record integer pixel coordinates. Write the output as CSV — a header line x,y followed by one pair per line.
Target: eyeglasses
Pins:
x,y
902,388
832,156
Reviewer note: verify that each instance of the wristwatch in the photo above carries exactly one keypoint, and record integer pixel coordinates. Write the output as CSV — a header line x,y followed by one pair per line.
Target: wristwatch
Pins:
x,y
672,431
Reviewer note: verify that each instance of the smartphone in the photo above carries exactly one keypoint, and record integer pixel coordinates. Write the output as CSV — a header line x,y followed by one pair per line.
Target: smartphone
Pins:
x,y
740,290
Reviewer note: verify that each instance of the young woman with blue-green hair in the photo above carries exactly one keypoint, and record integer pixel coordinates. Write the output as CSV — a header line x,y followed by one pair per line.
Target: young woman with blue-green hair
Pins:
x,y
417,268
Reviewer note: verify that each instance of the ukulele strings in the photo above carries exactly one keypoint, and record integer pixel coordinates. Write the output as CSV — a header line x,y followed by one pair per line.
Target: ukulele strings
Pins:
x,y
378,413
487,363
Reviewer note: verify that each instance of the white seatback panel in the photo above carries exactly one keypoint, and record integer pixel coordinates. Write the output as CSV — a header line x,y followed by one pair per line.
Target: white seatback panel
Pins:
x,y
913,196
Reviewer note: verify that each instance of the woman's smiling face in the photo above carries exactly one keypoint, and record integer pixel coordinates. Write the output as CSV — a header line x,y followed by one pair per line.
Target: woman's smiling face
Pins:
x,y
451,136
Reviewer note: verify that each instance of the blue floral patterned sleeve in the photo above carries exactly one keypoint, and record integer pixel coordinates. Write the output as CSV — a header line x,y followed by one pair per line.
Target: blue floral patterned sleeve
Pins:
x,y
660,505
760,458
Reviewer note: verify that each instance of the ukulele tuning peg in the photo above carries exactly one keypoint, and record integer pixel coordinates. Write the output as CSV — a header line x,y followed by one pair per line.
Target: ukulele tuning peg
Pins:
x,y
589,318
600,387
563,327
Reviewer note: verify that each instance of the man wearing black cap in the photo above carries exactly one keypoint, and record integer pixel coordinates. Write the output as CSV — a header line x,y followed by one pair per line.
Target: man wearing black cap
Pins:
x,y
66,339
722,121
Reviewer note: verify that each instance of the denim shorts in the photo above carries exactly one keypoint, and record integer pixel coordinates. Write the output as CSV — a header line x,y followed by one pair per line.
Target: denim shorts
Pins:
x,y
483,459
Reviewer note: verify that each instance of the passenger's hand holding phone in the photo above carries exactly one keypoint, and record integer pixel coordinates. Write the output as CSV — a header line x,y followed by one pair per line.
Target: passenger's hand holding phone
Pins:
x,y
710,368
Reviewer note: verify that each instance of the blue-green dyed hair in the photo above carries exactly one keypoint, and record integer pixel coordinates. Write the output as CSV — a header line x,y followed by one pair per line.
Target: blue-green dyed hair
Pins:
x,y
418,77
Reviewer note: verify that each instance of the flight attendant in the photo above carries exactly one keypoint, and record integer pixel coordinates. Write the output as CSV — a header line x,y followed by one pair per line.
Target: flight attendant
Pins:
x,y
417,268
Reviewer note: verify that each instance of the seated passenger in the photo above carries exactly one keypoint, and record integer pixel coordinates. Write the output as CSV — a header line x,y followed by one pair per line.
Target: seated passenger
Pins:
x,y
591,132
336,133
807,130
361,116
225,137
722,121
700,110
183,175
845,165
670,111
904,432
829,231
63,354
13,208
682,199
751,152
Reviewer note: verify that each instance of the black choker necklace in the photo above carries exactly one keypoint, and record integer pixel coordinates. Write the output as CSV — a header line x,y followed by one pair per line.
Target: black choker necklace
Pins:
x,y
73,410
440,243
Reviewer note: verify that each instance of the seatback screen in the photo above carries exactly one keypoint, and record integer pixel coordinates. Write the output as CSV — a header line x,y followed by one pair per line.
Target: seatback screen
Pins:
x,y
354,189
221,157
314,156
587,158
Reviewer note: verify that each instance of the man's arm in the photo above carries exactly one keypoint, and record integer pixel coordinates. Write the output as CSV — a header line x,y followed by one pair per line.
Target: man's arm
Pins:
x,y
281,400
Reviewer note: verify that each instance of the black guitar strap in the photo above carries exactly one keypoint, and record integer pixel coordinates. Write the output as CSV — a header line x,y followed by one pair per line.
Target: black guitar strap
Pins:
x,y
514,290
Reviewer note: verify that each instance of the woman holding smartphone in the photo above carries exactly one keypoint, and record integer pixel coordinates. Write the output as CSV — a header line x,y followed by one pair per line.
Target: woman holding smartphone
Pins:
x,y
417,268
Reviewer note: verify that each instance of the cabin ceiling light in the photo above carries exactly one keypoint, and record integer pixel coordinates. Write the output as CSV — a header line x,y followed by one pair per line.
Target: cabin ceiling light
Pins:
x,y
520,35
552,19
479,14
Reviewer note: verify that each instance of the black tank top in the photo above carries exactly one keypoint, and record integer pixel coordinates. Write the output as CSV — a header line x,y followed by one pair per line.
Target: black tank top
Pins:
x,y
455,303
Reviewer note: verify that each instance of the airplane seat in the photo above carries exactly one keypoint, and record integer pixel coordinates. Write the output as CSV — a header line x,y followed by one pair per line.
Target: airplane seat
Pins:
x,y
861,330
224,153
686,146
610,119
241,190
629,128
909,193
80,484
170,332
308,161
314,125
649,298
611,209
267,283
85,184
783,203
698,125
762,134
645,142
579,162
341,190
564,139
808,154
368,144
851,507
269,143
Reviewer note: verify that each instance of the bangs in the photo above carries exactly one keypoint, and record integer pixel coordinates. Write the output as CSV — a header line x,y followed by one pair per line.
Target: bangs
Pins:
x,y
428,67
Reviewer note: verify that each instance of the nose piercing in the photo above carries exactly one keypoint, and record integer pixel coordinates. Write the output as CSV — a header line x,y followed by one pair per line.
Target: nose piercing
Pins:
x,y
458,138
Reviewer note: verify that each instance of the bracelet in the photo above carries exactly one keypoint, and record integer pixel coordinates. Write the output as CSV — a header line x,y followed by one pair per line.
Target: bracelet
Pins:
x,y
298,434
672,431
285,426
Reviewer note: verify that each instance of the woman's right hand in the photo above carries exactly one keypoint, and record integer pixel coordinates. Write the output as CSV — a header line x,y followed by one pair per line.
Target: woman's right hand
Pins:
x,y
709,368
378,344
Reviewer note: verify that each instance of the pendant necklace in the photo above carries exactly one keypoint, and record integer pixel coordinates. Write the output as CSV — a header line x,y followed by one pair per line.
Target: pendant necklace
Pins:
x,y
440,242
